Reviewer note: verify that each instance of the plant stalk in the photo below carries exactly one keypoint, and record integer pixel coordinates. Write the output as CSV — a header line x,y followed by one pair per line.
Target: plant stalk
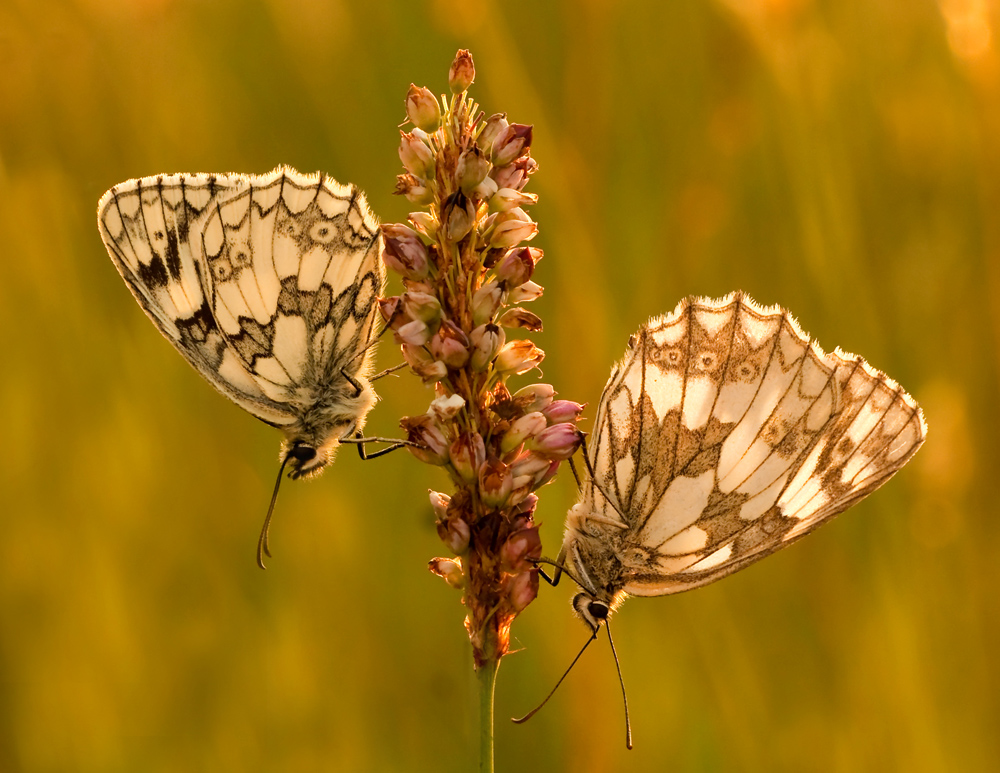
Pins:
x,y
487,674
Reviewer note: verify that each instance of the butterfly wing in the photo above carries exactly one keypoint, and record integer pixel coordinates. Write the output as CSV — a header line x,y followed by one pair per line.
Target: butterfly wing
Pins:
x,y
726,433
295,270
152,230
266,285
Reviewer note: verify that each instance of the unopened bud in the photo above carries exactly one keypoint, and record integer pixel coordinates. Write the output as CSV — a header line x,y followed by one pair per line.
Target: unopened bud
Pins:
x,y
459,216
510,144
462,72
522,589
510,176
455,533
525,427
561,411
485,302
439,503
521,550
431,444
494,126
516,267
485,190
472,169
519,357
529,465
534,397
422,108
415,333
405,252
527,506
468,453
508,198
510,233
446,407
422,306
425,223
416,155
525,293
450,345
450,570
485,341
387,307
495,483
558,442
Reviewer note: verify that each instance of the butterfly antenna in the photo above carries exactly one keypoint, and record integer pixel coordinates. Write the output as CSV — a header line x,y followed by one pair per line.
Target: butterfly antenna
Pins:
x,y
621,681
537,708
262,548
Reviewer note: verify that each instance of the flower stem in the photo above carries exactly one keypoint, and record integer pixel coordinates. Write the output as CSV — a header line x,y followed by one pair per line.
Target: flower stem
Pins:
x,y
487,674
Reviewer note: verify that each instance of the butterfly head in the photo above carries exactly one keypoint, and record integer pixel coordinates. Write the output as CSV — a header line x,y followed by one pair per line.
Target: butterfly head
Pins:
x,y
308,453
592,611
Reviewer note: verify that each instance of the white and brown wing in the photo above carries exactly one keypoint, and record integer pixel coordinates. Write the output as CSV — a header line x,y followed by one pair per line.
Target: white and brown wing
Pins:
x,y
725,434
294,268
265,285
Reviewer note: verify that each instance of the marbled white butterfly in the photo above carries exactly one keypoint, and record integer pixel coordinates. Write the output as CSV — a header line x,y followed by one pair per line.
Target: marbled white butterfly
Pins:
x,y
725,434
267,286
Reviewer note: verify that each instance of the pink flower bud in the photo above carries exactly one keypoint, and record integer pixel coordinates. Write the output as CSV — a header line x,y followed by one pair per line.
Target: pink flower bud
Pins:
x,y
516,267
495,483
510,176
387,308
432,445
534,397
455,533
468,453
494,126
450,570
562,411
529,465
405,253
413,188
425,223
422,306
416,155
520,548
450,345
519,357
510,144
527,426
485,301
521,318
459,215
522,589
446,407
472,169
508,198
486,341
439,502
558,442
527,506
422,108
525,293
510,233
415,333
423,364
462,72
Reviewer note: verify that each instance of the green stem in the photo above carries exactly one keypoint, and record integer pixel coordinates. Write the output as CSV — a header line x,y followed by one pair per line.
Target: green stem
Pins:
x,y
487,682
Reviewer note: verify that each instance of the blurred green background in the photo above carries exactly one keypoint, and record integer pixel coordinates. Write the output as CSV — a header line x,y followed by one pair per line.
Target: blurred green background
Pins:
x,y
839,158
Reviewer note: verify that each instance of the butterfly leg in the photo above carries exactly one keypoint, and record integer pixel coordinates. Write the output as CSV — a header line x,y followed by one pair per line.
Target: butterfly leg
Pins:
x,y
387,371
360,441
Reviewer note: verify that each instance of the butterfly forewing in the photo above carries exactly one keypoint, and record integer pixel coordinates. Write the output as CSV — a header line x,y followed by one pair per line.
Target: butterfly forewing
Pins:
x,y
723,435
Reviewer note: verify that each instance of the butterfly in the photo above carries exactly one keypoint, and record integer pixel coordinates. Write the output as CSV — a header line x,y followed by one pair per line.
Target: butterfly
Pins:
x,y
723,435
267,287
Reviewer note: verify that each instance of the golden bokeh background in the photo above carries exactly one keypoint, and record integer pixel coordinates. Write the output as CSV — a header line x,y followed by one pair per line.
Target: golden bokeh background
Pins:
x,y
839,158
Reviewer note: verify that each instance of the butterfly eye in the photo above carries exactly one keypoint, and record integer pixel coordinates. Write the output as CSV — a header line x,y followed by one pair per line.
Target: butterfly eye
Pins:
x,y
302,453
598,610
